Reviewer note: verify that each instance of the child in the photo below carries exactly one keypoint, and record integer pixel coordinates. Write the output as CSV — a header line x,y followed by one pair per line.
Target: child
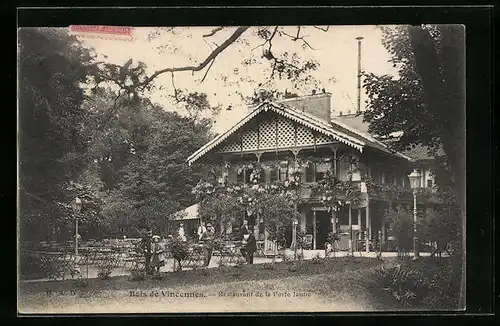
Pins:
x,y
328,249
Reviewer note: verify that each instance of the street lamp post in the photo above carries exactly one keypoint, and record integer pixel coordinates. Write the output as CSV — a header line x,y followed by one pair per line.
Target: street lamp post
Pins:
x,y
294,238
78,205
416,252
415,184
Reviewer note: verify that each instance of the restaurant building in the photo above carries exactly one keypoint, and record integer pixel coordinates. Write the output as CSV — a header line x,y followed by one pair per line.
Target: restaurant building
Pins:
x,y
304,126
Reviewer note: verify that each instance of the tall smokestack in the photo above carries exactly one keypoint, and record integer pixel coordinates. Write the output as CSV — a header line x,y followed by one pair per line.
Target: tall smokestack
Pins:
x,y
358,108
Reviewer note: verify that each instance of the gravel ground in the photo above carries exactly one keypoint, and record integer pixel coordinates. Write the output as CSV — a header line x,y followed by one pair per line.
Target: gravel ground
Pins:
x,y
291,294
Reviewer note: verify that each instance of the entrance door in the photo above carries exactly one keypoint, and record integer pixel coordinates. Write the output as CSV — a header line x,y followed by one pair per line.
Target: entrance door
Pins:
x,y
322,228
288,236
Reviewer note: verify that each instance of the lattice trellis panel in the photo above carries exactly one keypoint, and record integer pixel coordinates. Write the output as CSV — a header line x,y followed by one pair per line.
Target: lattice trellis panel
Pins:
x,y
305,136
323,139
267,134
286,133
232,145
250,139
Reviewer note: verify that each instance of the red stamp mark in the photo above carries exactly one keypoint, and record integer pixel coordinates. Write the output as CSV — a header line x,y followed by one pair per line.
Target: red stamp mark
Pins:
x,y
103,32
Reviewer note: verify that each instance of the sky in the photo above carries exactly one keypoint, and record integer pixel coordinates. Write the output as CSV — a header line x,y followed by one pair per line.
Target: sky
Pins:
x,y
336,51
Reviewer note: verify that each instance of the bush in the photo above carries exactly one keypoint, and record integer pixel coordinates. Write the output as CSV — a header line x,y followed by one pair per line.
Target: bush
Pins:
x,y
428,284
405,284
316,259
31,266
401,227
268,266
138,275
179,250
444,287
80,283
104,272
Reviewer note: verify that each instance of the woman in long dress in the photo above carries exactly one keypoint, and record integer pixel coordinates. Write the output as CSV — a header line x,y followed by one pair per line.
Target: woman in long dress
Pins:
x,y
158,253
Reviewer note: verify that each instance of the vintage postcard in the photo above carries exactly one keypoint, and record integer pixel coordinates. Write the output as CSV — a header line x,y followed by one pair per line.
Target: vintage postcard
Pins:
x,y
241,169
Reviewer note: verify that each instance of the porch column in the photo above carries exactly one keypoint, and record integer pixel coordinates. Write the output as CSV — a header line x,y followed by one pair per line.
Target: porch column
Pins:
x,y
303,222
368,230
265,238
314,230
383,229
334,221
350,229
256,226
359,230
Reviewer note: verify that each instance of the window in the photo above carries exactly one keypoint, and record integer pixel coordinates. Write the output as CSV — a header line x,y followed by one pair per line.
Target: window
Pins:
x,y
310,172
273,174
240,177
283,172
389,177
321,169
343,168
375,174
248,172
429,183
399,181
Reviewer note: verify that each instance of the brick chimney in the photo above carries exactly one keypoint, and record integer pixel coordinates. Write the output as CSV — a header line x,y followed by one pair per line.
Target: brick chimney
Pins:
x,y
316,104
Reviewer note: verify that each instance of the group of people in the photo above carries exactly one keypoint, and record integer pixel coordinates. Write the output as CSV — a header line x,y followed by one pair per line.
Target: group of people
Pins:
x,y
154,250
249,244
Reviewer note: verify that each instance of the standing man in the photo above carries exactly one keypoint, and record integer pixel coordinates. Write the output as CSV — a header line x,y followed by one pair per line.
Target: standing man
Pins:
x,y
244,232
208,238
251,246
181,233
146,249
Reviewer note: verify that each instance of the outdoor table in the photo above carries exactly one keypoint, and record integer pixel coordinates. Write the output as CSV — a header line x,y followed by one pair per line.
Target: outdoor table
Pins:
x,y
87,256
196,256
103,258
231,254
260,249
136,261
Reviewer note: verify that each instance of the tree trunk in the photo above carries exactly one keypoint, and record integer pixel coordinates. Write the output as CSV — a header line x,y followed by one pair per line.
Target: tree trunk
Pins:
x,y
444,92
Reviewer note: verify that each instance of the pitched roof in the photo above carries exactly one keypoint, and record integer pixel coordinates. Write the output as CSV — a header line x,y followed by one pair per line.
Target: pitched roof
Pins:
x,y
338,130
354,121
422,153
288,112
354,124
418,152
